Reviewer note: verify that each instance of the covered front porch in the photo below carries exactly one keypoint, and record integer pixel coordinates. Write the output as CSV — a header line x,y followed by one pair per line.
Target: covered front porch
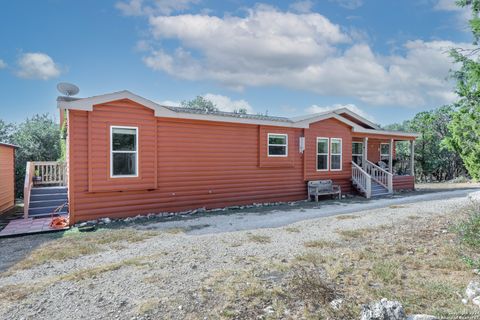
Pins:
x,y
376,169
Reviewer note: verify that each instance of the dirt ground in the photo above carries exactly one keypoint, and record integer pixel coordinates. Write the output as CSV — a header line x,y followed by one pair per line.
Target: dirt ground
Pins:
x,y
403,251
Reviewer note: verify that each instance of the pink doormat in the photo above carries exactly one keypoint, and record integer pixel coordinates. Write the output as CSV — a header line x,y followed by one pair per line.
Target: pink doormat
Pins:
x,y
20,227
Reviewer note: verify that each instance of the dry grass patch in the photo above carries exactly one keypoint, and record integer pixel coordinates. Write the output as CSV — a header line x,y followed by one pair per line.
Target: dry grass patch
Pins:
x,y
146,306
292,229
347,217
80,244
397,206
259,238
95,271
355,233
319,244
176,230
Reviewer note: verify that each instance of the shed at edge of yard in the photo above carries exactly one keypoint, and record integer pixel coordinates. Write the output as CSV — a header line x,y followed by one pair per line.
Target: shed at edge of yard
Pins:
x,y
7,176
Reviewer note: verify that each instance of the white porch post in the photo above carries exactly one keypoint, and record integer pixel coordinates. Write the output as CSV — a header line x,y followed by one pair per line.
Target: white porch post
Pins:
x,y
365,152
390,158
412,157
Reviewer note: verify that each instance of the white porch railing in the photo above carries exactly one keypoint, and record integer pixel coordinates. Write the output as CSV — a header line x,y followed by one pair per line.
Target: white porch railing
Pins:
x,y
362,179
383,177
50,172
42,173
27,187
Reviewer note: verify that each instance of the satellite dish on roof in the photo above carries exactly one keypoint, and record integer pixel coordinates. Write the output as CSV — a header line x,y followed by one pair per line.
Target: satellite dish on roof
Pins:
x,y
67,89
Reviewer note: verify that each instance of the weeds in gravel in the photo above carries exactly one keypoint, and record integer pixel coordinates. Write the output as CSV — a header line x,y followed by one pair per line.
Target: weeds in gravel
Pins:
x,y
92,272
146,306
80,244
355,233
387,271
320,244
346,217
259,238
292,229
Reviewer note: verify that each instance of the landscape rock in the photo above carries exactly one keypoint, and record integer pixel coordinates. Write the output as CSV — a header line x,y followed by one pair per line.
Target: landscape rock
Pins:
x,y
421,317
473,289
383,310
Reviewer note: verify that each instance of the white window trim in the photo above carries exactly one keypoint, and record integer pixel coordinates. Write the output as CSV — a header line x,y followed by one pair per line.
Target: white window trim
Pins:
x,y
323,154
385,154
357,154
336,154
277,145
137,158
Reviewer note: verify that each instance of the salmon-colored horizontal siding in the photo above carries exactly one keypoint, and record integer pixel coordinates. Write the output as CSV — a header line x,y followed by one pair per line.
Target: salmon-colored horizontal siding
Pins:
x,y
7,172
330,128
403,183
186,164
198,164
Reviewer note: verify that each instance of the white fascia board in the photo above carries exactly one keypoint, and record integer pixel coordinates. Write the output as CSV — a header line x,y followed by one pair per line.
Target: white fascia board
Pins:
x,y
319,117
358,117
386,132
87,104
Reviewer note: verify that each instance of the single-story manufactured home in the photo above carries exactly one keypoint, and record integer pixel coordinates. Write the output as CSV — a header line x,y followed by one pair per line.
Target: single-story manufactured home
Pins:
x,y
127,155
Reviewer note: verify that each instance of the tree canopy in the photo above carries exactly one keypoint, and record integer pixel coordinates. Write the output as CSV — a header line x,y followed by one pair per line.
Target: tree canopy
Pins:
x,y
38,139
200,103
465,123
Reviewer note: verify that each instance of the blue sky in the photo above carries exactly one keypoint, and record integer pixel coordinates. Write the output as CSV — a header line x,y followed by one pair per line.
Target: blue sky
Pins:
x,y
383,58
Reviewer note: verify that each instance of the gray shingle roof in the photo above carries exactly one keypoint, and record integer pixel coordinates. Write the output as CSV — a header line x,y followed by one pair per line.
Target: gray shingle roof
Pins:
x,y
228,114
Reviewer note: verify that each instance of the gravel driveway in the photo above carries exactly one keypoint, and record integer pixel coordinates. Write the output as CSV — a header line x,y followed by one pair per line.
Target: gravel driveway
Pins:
x,y
166,273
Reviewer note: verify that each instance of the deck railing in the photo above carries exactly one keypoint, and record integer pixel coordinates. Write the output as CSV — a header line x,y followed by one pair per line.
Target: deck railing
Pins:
x,y
27,187
50,173
382,176
362,179
42,173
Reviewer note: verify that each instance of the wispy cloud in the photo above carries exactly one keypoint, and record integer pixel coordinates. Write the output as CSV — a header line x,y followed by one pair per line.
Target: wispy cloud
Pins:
x,y
37,65
302,6
349,4
225,103
3,64
152,7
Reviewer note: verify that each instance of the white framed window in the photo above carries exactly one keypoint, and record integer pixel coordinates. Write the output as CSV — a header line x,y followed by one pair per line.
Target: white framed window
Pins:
x,y
123,152
277,145
357,152
335,154
384,151
322,154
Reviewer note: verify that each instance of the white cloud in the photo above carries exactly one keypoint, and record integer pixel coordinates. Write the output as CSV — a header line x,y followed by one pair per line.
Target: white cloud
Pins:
x,y
225,103
151,7
318,109
349,4
3,64
463,15
37,66
303,51
170,103
303,6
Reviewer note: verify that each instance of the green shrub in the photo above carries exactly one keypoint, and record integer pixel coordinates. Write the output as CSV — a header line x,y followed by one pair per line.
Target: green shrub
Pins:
x,y
469,230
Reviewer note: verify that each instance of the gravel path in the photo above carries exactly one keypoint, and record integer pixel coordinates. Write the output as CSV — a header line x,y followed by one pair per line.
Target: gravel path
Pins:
x,y
170,269
275,217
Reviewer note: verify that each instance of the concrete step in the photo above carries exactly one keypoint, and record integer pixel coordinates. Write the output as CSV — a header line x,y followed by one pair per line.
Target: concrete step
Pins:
x,y
48,190
47,203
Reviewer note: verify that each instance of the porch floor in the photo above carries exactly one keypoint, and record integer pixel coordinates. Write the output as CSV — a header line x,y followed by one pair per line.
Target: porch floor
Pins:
x,y
19,227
